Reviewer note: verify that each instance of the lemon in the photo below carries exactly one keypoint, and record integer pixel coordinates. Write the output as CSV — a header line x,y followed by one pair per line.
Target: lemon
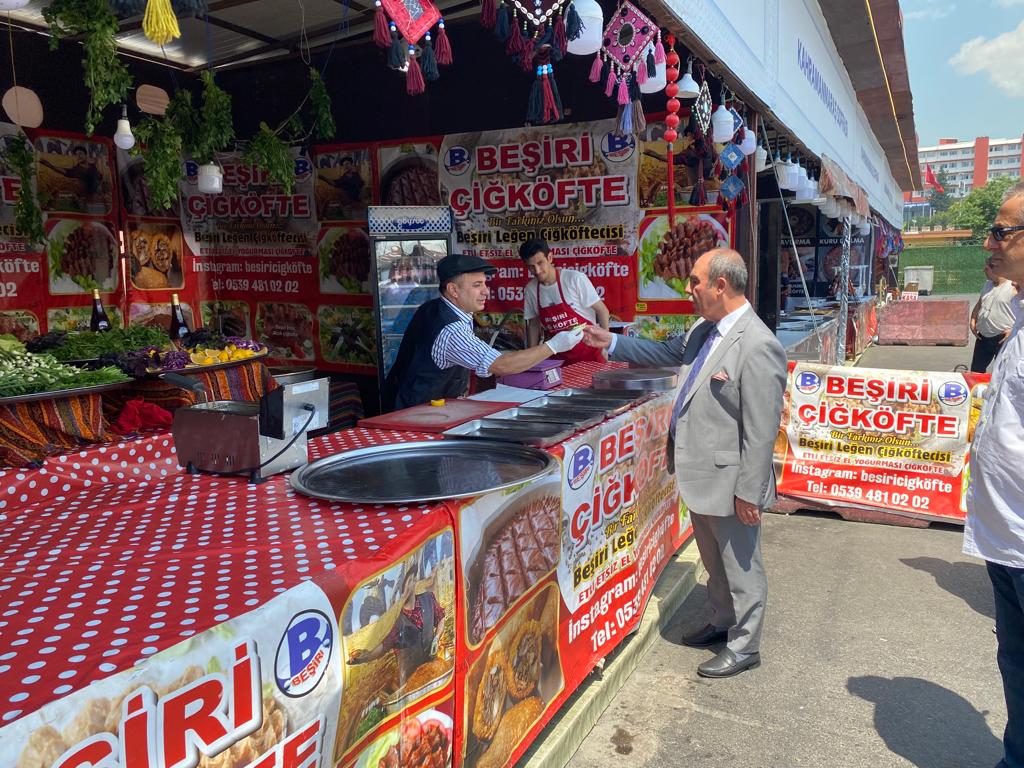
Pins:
x,y
223,357
197,357
208,361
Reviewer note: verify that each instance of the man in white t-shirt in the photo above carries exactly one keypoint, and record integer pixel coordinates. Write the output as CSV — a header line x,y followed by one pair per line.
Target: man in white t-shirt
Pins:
x,y
557,300
991,319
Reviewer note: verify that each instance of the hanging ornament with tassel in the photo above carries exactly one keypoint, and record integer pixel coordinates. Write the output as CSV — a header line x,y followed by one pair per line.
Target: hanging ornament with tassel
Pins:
x,y
535,38
399,32
159,23
626,61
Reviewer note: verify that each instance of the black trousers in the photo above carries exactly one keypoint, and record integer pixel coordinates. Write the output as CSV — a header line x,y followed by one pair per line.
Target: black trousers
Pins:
x,y
985,350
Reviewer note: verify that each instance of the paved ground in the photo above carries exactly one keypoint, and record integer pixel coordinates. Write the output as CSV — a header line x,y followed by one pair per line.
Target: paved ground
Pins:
x,y
878,651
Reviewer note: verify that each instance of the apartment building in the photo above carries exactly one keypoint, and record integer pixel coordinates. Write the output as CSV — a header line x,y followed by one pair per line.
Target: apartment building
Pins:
x,y
970,164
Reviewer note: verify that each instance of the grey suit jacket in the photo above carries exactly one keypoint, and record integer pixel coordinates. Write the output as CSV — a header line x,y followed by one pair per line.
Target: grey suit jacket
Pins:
x,y
729,421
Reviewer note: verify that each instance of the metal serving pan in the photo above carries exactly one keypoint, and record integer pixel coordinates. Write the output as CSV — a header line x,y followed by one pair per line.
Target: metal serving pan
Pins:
x,y
568,405
536,433
636,379
405,473
579,417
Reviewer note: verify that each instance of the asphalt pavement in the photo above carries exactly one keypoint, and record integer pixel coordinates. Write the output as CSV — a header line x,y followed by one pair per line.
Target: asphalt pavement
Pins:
x,y
878,651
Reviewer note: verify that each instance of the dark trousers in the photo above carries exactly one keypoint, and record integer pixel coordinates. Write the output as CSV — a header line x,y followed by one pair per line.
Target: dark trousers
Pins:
x,y
985,350
1008,587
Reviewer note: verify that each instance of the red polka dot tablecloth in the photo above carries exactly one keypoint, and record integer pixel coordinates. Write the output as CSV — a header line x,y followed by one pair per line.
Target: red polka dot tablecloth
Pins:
x,y
581,374
112,554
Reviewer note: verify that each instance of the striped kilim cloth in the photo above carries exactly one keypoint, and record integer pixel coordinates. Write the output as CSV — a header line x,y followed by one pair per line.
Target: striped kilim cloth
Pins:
x,y
32,431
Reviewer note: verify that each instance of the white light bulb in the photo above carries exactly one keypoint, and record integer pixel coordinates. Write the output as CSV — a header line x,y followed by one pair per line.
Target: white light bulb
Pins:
x,y
760,159
210,180
123,137
688,88
721,124
749,143
589,41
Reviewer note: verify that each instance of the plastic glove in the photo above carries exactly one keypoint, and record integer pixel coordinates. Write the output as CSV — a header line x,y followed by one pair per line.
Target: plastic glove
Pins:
x,y
564,341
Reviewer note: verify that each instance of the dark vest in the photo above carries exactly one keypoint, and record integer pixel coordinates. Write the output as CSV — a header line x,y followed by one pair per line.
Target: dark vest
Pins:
x,y
414,379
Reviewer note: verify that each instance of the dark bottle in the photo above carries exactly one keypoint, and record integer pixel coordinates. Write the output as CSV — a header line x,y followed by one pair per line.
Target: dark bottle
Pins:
x,y
99,320
179,328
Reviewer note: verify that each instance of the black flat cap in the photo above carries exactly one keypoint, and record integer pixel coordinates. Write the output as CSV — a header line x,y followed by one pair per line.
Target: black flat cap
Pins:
x,y
460,263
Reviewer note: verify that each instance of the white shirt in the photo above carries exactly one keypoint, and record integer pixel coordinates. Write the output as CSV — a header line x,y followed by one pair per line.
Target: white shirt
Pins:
x,y
456,344
995,315
995,496
579,293
722,328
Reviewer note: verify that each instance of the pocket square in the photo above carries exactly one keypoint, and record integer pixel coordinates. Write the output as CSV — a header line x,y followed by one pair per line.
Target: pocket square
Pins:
x,y
720,376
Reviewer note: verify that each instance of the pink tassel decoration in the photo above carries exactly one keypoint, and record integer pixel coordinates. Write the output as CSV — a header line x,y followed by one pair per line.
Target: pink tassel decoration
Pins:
x,y
595,69
609,86
414,83
515,41
381,33
641,74
623,94
488,13
659,51
442,47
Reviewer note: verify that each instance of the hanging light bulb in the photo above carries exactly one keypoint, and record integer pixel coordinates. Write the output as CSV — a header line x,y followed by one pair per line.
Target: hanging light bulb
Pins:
x,y
760,159
749,143
123,137
722,126
801,174
787,173
688,88
589,41
656,83
210,180
865,227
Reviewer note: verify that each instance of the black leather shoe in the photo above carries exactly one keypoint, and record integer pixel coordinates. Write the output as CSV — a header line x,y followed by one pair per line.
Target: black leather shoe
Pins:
x,y
707,635
726,664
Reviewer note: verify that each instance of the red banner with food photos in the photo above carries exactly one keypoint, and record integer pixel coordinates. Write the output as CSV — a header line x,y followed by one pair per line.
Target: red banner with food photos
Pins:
x,y
896,441
48,287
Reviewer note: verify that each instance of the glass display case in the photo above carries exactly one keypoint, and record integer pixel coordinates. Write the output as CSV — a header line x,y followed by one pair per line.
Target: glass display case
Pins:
x,y
406,244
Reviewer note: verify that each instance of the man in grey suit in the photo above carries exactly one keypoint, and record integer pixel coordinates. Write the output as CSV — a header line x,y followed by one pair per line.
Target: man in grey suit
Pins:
x,y
723,429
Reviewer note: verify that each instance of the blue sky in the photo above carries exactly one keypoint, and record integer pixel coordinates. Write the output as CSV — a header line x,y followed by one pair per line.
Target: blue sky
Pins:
x,y
966,61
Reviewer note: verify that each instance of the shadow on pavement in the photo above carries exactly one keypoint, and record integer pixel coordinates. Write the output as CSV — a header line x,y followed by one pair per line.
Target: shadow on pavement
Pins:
x,y
966,580
691,615
927,724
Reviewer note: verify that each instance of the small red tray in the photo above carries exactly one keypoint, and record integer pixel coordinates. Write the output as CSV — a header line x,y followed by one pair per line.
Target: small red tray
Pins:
x,y
435,418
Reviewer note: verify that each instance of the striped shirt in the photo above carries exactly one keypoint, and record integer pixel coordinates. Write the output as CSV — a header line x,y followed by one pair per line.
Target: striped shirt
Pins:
x,y
457,345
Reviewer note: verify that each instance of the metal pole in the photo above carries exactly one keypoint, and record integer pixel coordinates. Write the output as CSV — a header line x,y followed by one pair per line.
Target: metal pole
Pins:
x,y
844,307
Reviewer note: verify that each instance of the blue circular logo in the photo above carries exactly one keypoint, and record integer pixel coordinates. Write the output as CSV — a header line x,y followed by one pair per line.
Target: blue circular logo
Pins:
x,y
581,464
304,653
808,382
953,393
457,160
617,149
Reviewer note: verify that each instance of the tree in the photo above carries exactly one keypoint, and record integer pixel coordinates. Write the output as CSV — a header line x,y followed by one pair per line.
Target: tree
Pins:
x,y
940,201
978,210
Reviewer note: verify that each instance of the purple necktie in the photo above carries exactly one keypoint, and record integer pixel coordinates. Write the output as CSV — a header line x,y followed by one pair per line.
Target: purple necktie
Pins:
x,y
702,356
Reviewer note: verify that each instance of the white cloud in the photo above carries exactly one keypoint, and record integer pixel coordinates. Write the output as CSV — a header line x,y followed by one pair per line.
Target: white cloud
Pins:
x,y
1009,3
1000,57
934,10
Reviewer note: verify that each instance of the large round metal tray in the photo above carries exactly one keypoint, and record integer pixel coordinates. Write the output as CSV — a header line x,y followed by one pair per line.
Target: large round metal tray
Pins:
x,y
637,379
406,473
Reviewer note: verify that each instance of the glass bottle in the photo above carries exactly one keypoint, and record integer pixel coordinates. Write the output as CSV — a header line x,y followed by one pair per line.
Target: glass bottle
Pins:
x,y
178,329
99,320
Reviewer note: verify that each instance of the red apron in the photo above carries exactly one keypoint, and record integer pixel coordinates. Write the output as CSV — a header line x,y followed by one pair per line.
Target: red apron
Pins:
x,y
562,317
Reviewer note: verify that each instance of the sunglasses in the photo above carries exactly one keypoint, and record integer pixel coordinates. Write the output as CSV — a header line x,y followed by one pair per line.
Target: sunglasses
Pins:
x,y
999,233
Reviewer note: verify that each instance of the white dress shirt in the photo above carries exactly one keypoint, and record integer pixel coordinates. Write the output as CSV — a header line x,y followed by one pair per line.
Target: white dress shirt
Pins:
x,y
722,327
995,496
456,344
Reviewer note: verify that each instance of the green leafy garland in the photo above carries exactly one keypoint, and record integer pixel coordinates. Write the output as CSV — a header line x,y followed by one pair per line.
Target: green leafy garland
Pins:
x,y
269,152
28,219
324,127
106,76
217,128
161,158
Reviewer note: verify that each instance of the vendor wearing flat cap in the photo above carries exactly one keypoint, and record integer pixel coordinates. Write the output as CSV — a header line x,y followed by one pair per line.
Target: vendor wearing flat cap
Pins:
x,y
439,348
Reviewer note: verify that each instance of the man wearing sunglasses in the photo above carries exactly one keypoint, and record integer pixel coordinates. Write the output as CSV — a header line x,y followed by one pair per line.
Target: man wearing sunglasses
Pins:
x,y
994,530
991,319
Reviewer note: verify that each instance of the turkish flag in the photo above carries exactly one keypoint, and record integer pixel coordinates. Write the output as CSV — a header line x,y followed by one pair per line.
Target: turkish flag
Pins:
x,y
931,181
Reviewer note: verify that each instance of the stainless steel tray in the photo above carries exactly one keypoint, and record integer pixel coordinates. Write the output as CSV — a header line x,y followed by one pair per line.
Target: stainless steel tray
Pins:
x,y
580,394
579,418
536,433
570,406
93,389
636,379
405,473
